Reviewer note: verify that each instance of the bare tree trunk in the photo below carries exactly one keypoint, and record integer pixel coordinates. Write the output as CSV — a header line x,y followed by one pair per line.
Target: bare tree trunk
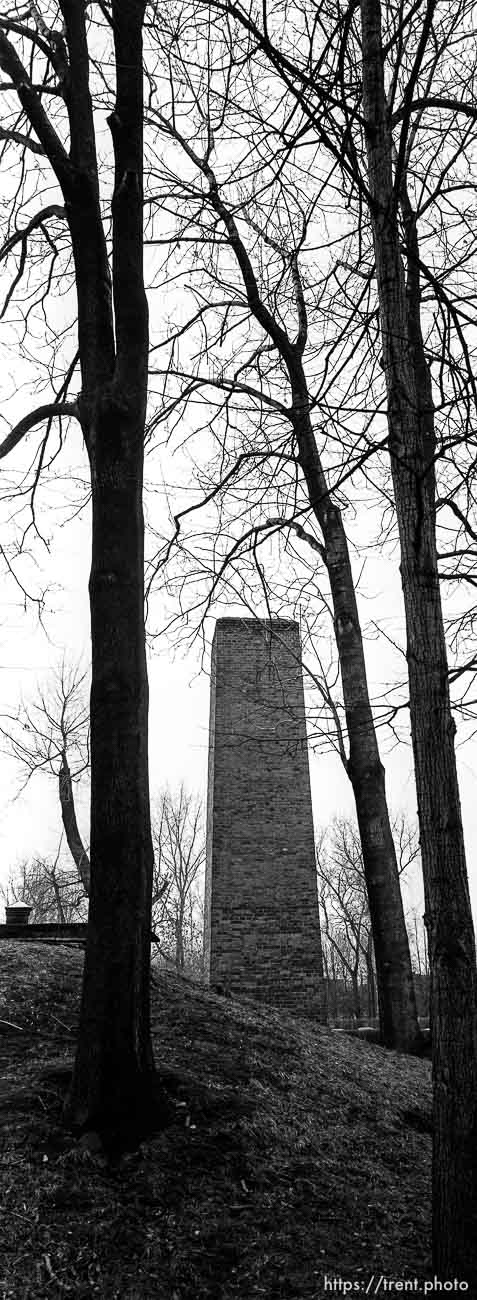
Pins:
x,y
356,994
68,813
113,1083
397,1002
113,1086
57,895
114,1045
179,927
448,914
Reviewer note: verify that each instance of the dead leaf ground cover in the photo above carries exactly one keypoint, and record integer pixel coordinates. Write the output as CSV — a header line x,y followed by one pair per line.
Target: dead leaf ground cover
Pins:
x,y
294,1155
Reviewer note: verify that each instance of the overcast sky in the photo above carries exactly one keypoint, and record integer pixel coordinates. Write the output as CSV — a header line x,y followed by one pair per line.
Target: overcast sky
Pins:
x,y
178,669
179,687
179,704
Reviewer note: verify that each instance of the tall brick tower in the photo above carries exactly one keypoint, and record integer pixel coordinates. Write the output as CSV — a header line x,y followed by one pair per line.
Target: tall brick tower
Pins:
x,y
262,934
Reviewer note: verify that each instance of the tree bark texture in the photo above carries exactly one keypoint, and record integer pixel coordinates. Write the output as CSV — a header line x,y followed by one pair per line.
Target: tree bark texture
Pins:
x,y
112,1089
370,978
114,1059
448,913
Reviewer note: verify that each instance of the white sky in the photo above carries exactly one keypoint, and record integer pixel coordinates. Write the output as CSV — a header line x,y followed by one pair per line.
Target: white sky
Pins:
x,y
179,686
179,705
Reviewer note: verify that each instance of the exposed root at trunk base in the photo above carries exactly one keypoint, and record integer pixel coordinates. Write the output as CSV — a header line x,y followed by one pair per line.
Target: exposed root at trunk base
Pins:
x,y
128,1112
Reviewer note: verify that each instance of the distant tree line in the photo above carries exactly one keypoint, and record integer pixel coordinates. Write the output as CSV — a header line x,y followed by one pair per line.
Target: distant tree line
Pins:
x,y
49,734
347,935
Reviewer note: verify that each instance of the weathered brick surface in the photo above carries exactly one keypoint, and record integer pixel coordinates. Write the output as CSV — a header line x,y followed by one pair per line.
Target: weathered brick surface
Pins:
x,y
262,935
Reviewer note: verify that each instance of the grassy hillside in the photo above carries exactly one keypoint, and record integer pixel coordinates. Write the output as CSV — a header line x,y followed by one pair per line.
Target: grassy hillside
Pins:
x,y
294,1155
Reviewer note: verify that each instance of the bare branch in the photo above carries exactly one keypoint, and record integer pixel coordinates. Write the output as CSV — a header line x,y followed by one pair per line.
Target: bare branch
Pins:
x,y
32,106
20,236
24,140
46,412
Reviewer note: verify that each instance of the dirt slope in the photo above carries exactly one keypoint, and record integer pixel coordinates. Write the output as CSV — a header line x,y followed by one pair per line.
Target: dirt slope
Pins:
x,y
295,1156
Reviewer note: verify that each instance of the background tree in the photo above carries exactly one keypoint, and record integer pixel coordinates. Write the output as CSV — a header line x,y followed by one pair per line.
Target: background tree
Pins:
x,y
51,735
252,264
179,857
53,892
345,910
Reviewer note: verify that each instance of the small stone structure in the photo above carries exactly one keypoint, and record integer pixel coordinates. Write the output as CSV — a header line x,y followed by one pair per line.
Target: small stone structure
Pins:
x,y
17,926
262,934
17,913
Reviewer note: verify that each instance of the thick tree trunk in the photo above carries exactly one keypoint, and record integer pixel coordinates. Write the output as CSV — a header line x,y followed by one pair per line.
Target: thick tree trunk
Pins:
x,y
68,813
397,1002
113,1081
113,1089
448,913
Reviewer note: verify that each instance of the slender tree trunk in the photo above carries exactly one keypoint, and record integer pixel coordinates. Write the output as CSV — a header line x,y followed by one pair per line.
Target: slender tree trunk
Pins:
x,y
57,894
68,813
356,995
448,914
179,927
332,985
397,1002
